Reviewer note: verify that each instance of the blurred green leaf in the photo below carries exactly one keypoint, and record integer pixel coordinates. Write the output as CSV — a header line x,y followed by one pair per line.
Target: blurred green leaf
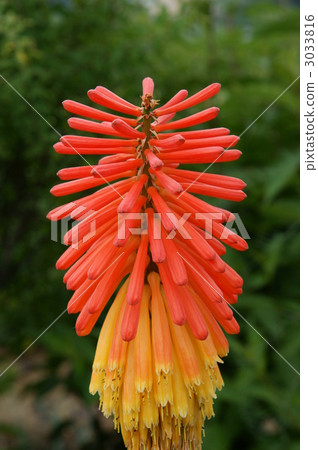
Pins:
x,y
279,175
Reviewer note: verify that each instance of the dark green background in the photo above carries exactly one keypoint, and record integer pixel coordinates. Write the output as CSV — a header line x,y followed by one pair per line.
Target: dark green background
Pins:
x,y
53,50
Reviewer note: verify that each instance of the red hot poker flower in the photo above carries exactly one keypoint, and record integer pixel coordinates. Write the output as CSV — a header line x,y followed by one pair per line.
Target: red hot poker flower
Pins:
x,y
156,362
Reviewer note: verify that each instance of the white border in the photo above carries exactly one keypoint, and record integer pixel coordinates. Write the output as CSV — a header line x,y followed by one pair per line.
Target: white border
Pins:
x,y
309,247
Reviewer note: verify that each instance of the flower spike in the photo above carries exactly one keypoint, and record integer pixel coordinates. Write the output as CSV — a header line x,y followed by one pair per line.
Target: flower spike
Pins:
x,y
143,236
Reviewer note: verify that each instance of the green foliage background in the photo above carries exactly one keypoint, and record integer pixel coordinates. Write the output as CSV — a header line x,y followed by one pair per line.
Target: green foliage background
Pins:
x,y
53,50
